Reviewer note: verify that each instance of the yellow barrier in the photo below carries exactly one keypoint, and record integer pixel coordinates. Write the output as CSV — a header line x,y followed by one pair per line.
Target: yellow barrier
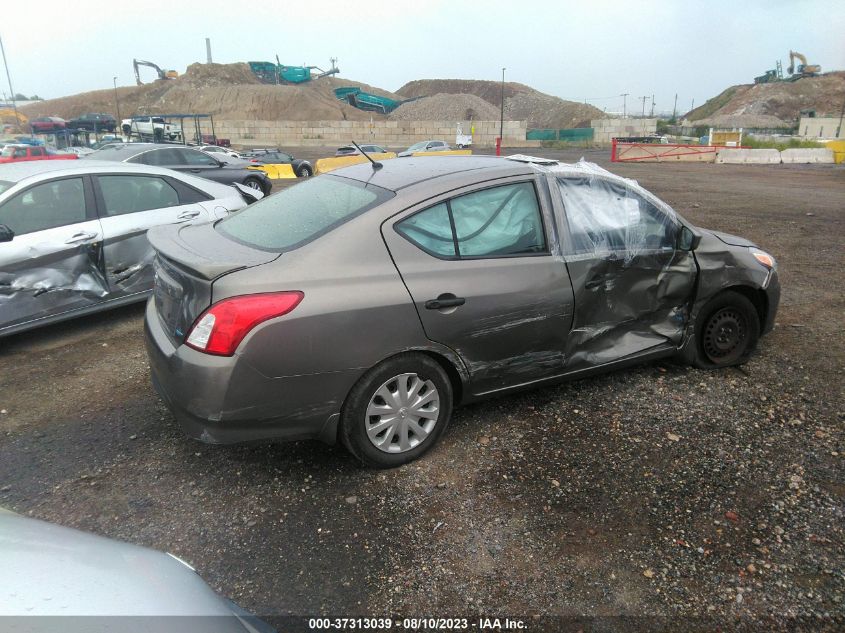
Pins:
x,y
451,152
324,165
276,171
838,148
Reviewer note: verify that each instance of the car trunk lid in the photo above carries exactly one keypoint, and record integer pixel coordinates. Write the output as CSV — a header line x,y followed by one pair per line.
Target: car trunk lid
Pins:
x,y
188,260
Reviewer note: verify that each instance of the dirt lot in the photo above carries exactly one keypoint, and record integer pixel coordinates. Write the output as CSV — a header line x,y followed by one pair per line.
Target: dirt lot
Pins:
x,y
658,492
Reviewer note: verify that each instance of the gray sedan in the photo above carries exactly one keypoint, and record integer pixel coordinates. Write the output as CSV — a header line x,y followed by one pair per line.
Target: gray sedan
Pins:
x,y
73,233
364,304
187,160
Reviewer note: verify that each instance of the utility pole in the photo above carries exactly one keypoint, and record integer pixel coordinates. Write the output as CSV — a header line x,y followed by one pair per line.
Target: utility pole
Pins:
x,y
675,110
9,77
116,101
652,106
208,50
643,99
692,105
502,120
624,96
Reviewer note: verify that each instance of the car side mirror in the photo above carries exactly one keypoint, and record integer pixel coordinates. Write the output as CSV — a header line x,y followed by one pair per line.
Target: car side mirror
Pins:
x,y
6,234
688,240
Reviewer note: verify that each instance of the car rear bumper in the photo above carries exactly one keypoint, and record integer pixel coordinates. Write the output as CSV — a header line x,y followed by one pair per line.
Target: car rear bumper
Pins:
x,y
224,400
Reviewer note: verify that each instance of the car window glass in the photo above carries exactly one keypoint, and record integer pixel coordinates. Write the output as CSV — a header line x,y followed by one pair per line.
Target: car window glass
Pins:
x,y
431,230
20,152
159,157
605,217
498,221
194,157
45,206
37,151
301,213
128,194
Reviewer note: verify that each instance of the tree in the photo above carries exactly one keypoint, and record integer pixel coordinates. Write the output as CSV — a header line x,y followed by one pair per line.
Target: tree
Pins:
x,y
20,97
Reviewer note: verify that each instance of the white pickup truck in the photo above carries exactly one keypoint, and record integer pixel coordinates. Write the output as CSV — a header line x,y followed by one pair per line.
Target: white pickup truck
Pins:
x,y
153,127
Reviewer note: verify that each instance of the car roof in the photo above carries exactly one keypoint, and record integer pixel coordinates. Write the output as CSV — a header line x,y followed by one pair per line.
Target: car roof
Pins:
x,y
404,172
128,150
16,172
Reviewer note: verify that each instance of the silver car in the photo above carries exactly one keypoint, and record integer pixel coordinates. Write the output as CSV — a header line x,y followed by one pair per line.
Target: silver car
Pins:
x,y
56,579
362,305
73,233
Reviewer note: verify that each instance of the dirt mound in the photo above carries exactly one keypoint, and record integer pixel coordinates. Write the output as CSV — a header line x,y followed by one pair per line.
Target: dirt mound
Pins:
x,y
783,99
446,107
228,91
522,102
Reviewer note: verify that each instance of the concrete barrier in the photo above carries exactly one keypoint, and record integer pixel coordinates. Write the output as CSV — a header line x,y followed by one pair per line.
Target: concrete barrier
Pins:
x,y
733,156
324,165
838,148
807,155
275,171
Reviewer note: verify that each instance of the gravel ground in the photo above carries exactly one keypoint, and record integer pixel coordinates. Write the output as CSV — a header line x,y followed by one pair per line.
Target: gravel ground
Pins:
x,y
657,497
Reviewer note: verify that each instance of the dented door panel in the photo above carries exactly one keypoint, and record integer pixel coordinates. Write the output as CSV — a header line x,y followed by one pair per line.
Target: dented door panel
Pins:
x,y
50,272
632,285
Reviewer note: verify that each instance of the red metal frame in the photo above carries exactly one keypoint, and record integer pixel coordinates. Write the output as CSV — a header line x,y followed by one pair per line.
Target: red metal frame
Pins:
x,y
660,151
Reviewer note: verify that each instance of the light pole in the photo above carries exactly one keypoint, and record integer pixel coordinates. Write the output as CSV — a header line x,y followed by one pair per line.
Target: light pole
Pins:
x,y
624,96
502,119
116,102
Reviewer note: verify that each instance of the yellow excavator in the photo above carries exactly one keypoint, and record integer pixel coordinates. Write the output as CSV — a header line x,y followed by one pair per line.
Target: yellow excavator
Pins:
x,y
804,69
162,74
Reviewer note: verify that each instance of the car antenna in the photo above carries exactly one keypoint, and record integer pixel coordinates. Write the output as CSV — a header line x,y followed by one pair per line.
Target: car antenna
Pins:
x,y
376,165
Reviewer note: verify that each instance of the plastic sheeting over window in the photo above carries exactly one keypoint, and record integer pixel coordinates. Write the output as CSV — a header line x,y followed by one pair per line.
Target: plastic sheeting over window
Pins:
x,y
607,217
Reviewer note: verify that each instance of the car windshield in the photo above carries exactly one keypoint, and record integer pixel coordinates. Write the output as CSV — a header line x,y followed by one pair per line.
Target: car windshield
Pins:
x,y
8,151
302,213
417,146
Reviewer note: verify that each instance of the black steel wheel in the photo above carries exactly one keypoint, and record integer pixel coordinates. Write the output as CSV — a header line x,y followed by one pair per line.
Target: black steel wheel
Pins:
x,y
727,331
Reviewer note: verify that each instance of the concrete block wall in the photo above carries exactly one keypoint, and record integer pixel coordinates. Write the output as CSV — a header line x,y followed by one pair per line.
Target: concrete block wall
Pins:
x,y
392,134
821,127
605,130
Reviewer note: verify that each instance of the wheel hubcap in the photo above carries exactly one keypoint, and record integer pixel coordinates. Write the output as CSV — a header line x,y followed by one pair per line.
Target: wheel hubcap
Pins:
x,y
724,336
402,413
253,185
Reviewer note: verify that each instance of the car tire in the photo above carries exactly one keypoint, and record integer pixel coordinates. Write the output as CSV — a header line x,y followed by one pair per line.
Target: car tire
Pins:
x,y
254,183
727,330
304,172
376,442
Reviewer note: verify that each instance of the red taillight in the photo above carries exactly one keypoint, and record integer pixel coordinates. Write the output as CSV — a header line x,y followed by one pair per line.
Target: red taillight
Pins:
x,y
220,329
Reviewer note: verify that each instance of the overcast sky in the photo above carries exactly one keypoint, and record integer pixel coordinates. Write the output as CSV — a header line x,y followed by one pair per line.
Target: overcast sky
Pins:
x,y
594,50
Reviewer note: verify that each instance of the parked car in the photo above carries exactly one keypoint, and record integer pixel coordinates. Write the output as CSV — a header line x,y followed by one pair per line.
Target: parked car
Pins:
x,y
217,149
185,159
94,121
351,150
60,579
26,153
302,168
73,234
426,146
46,124
362,305
78,150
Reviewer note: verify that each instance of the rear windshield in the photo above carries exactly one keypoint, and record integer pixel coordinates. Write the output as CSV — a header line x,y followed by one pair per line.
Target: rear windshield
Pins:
x,y
5,184
301,213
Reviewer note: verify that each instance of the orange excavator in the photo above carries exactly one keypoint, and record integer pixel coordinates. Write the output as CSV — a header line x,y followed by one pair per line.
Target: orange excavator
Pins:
x,y
804,69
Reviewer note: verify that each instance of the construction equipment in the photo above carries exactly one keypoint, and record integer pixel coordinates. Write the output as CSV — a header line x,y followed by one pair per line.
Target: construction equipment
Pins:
x,y
162,74
278,73
804,69
771,76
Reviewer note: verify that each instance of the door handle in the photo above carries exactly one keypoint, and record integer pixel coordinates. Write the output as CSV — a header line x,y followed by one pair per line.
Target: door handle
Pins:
x,y
80,237
187,215
196,171
444,301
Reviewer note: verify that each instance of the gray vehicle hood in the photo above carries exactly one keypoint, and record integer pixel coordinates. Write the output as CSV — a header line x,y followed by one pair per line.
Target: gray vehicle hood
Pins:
x,y
730,240
50,570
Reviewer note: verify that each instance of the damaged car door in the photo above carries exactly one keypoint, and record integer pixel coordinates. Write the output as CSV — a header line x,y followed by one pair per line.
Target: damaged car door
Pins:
x,y
632,283
51,264
480,270
131,204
